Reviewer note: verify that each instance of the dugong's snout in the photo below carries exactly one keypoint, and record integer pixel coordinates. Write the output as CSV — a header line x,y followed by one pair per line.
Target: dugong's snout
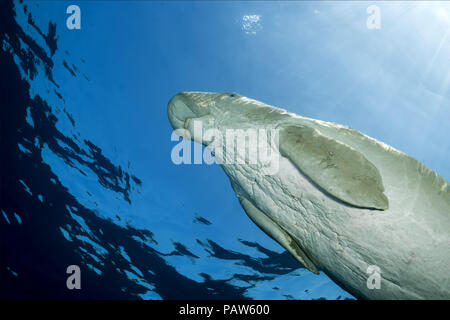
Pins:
x,y
187,105
178,111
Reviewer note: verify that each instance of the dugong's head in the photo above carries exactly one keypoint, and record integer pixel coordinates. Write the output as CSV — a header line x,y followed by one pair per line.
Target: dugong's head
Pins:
x,y
185,106
235,128
220,111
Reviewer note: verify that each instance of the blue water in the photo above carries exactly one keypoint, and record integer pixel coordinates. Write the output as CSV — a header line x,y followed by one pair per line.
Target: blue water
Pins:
x,y
86,171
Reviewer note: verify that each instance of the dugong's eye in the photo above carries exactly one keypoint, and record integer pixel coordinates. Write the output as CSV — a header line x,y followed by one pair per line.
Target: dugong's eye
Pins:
x,y
232,95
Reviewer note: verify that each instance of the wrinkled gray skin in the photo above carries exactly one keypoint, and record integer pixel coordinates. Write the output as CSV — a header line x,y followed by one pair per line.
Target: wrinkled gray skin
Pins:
x,y
408,238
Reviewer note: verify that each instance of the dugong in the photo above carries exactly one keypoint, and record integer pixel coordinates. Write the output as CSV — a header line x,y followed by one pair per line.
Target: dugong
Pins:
x,y
374,219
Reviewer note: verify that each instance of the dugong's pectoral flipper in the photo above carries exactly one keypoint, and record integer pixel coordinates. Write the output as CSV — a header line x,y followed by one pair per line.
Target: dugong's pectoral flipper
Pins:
x,y
273,230
334,166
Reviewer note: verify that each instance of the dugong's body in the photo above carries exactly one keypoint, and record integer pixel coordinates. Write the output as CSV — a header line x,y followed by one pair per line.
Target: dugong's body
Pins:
x,y
340,201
